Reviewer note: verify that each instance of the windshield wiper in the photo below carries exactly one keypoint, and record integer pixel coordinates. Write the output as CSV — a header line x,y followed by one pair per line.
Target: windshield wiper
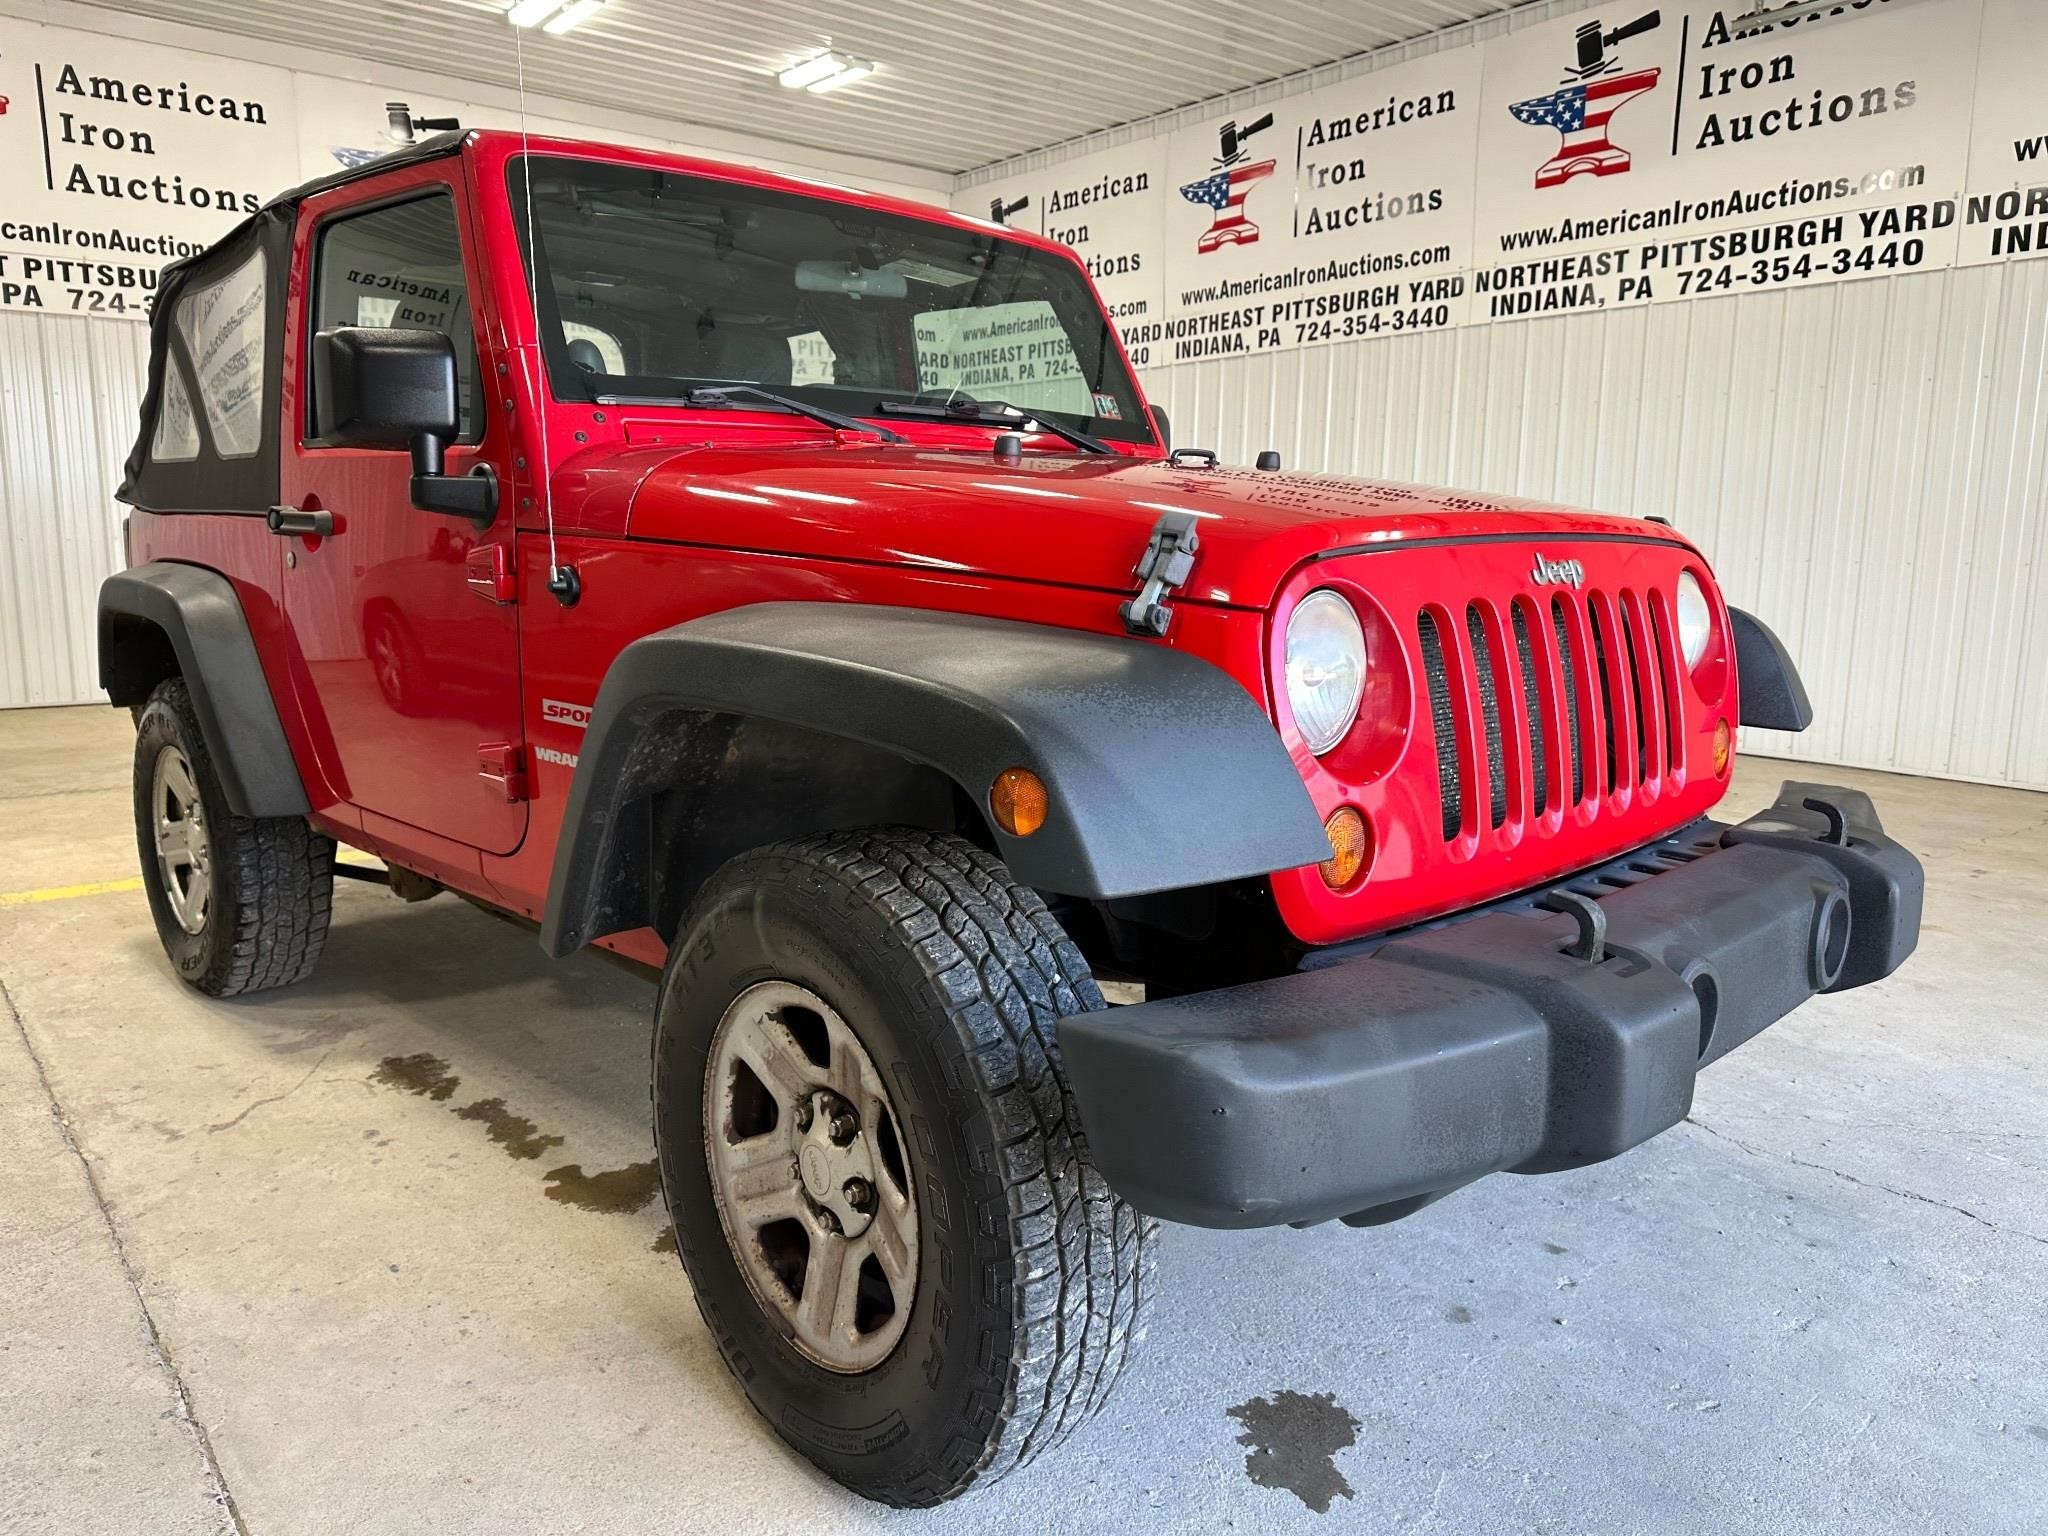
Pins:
x,y
1006,415
739,394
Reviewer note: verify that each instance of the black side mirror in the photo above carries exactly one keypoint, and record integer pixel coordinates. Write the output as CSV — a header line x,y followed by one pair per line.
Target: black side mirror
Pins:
x,y
1163,427
375,387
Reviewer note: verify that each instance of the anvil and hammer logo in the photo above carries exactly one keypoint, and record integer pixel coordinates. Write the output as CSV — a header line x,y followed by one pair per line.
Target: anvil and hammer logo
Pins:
x,y
1594,90
1224,190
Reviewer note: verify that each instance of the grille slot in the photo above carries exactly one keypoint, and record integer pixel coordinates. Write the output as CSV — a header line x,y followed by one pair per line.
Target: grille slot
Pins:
x,y
1449,778
1662,664
1603,668
1636,657
1625,638
1532,706
1573,729
1489,714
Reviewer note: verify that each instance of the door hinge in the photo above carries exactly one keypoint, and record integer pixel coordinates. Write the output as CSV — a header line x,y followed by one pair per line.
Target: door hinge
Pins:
x,y
503,763
1169,558
487,568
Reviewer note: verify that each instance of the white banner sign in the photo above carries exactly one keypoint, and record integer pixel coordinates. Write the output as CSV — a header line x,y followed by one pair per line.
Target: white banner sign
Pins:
x,y
1633,153
117,157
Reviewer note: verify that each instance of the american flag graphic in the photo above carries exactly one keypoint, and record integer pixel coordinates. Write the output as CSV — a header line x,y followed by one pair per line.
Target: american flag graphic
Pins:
x,y
1225,192
1581,113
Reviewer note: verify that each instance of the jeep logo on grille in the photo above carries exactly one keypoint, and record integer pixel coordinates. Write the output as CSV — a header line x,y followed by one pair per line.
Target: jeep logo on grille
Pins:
x,y
1552,573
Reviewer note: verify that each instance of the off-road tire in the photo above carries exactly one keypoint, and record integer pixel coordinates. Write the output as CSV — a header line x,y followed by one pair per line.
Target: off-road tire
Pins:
x,y
1033,1278
272,877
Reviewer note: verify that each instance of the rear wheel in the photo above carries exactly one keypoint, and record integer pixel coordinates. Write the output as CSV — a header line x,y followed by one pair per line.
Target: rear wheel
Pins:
x,y
241,903
878,1183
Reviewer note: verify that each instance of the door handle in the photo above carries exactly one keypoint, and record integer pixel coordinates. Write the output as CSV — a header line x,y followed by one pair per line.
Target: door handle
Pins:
x,y
292,520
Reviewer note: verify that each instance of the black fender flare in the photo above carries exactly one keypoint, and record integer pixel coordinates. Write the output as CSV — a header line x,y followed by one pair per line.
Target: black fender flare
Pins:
x,y
1773,697
197,612
1162,772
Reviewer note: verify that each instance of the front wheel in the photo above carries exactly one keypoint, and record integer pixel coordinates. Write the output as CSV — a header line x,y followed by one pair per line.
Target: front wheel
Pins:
x,y
879,1186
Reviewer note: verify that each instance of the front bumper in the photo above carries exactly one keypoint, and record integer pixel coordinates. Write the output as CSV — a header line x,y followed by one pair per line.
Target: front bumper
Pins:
x,y
1382,1078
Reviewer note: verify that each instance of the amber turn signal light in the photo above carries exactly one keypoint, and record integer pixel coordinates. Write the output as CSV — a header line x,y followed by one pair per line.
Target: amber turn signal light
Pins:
x,y
1724,748
1350,848
1018,799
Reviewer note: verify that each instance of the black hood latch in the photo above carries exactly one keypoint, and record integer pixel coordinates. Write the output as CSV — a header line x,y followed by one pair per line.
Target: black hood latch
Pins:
x,y
1168,560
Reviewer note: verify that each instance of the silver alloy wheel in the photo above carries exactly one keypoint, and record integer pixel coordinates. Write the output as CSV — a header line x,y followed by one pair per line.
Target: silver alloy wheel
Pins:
x,y
811,1175
182,851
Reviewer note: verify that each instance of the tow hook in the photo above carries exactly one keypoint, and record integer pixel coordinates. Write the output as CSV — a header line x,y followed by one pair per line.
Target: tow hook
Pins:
x,y
1169,558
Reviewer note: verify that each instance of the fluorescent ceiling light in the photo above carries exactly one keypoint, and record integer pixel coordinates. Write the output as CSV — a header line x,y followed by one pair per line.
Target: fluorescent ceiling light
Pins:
x,y
825,72
852,70
559,15
573,14
806,72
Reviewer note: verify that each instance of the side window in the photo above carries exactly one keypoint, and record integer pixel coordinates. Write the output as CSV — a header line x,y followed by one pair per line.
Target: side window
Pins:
x,y
221,326
400,266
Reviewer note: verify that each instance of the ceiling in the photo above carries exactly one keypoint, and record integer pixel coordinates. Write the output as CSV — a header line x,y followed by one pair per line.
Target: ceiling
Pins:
x,y
962,82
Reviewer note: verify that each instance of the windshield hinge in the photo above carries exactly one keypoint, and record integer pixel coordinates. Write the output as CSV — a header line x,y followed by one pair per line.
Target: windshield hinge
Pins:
x,y
503,763
1169,557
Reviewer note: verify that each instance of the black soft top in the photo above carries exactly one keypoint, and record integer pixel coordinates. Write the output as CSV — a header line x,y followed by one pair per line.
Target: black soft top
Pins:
x,y
209,430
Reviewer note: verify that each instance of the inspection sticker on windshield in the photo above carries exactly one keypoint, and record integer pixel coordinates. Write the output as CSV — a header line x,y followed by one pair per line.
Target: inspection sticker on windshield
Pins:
x,y
1106,408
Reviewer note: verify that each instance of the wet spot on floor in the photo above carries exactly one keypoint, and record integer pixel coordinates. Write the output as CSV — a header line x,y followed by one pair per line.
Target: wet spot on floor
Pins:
x,y
666,1243
614,1192
608,1192
418,1073
2038,1431
519,1136
1294,1439
1456,1314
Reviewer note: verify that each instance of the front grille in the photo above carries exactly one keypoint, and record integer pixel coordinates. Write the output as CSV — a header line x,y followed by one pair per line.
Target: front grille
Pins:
x,y
1596,684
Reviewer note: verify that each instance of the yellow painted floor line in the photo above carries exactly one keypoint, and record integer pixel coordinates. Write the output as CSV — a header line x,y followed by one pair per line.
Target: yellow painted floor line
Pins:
x,y
68,892
134,883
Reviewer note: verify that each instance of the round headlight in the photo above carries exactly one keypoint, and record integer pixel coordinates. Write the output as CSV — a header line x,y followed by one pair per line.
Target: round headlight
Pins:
x,y
1695,620
1325,669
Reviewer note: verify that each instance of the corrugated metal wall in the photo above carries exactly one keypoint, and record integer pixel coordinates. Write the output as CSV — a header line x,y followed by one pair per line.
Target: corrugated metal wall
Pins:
x,y
1865,464
69,392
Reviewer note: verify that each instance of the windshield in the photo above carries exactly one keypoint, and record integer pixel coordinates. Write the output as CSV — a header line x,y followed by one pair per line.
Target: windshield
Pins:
x,y
653,283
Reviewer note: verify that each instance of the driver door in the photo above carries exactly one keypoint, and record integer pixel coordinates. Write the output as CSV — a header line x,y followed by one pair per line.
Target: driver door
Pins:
x,y
409,642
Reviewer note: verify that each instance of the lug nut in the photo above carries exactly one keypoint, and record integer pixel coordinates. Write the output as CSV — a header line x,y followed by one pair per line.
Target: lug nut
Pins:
x,y
803,1114
828,1218
843,1127
858,1193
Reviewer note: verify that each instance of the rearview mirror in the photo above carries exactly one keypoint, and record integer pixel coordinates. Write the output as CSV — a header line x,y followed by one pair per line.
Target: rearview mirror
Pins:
x,y
1163,427
850,278
380,387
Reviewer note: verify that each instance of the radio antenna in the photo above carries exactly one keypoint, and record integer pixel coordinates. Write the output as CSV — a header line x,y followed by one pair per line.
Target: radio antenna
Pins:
x,y
563,581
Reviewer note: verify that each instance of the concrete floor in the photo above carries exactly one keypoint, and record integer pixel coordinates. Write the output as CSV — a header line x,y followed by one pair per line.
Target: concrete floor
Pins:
x,y
383,1253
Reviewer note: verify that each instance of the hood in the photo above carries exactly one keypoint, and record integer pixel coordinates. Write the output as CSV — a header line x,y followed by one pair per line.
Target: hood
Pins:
x,y
1055,519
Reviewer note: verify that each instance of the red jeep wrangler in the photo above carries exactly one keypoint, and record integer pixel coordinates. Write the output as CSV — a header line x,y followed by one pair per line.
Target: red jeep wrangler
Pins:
x,y
790,588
